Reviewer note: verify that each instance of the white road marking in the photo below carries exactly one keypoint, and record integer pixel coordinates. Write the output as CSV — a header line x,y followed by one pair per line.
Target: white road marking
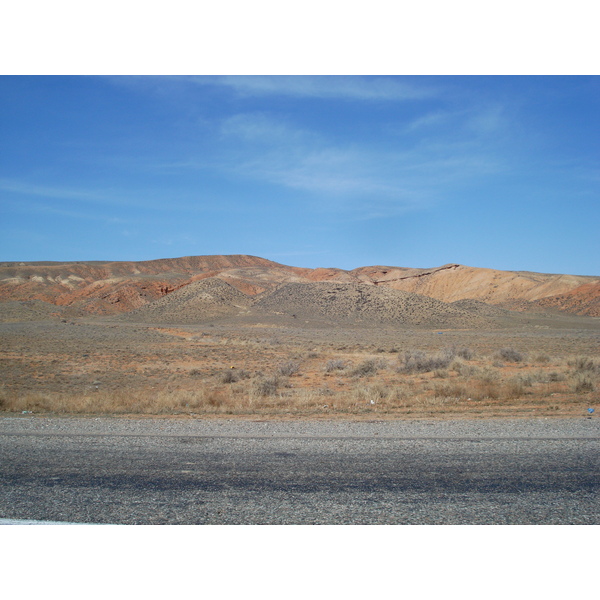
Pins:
x,y
31,522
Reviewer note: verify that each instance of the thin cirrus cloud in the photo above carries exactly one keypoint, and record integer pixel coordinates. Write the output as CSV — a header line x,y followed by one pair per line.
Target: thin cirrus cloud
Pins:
x,y
260,127
276,152
100,198
325,87
273,151
103,199
479,121
38,208
28,189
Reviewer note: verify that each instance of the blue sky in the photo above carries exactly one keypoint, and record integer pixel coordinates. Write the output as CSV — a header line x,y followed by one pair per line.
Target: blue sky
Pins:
x,y
417,171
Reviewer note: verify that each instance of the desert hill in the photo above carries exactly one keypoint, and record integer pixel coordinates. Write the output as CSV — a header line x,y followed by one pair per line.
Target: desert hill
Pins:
x,y
323,301
199,301
359,302
110,288
105,288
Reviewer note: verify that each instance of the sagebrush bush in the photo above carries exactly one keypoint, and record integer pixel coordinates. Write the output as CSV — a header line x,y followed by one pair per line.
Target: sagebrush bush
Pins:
x,y
465,353
488,375
233,375
583,383
335,365
510,355
462,368
266,386
288,368
368,367
417,361
585,364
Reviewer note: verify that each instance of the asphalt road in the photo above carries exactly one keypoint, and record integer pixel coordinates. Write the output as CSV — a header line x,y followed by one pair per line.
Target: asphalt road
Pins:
x,y
161,471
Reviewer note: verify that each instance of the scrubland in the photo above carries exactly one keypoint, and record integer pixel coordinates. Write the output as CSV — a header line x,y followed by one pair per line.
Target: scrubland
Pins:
x,y
280,370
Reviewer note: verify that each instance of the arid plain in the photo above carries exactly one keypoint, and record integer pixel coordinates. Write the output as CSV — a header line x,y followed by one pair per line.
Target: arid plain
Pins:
x,y
243,336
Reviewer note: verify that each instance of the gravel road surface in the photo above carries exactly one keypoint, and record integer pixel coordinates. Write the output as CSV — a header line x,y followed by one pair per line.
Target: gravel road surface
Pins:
x,y
178,471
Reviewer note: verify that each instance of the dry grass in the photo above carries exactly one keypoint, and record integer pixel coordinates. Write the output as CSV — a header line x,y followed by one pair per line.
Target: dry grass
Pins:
x,y
274,377
115,402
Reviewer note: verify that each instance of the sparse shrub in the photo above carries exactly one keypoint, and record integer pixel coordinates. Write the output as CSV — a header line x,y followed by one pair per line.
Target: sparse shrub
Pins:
x,y
288,368
368,367
465,353
515,389
583,383
488,376
525,380
416,361
450,390
585,364
335,365
510,355
448,353
459,366
233,375
266,386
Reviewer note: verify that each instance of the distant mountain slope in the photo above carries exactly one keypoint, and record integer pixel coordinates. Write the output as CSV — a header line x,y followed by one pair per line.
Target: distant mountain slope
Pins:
x,y
105,288
458,282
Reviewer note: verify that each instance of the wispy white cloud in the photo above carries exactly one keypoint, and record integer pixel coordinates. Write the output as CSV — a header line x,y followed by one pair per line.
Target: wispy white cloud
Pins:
x,y
432,119
38,208
358,180
326,87
472,120
262,128
20,187
111,197
487,120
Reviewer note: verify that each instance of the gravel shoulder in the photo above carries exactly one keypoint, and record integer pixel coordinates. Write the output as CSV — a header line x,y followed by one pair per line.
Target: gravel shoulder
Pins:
x,y
459,428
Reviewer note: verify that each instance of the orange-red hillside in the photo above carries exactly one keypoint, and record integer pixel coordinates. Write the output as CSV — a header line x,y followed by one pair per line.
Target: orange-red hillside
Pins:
x,y
115,287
